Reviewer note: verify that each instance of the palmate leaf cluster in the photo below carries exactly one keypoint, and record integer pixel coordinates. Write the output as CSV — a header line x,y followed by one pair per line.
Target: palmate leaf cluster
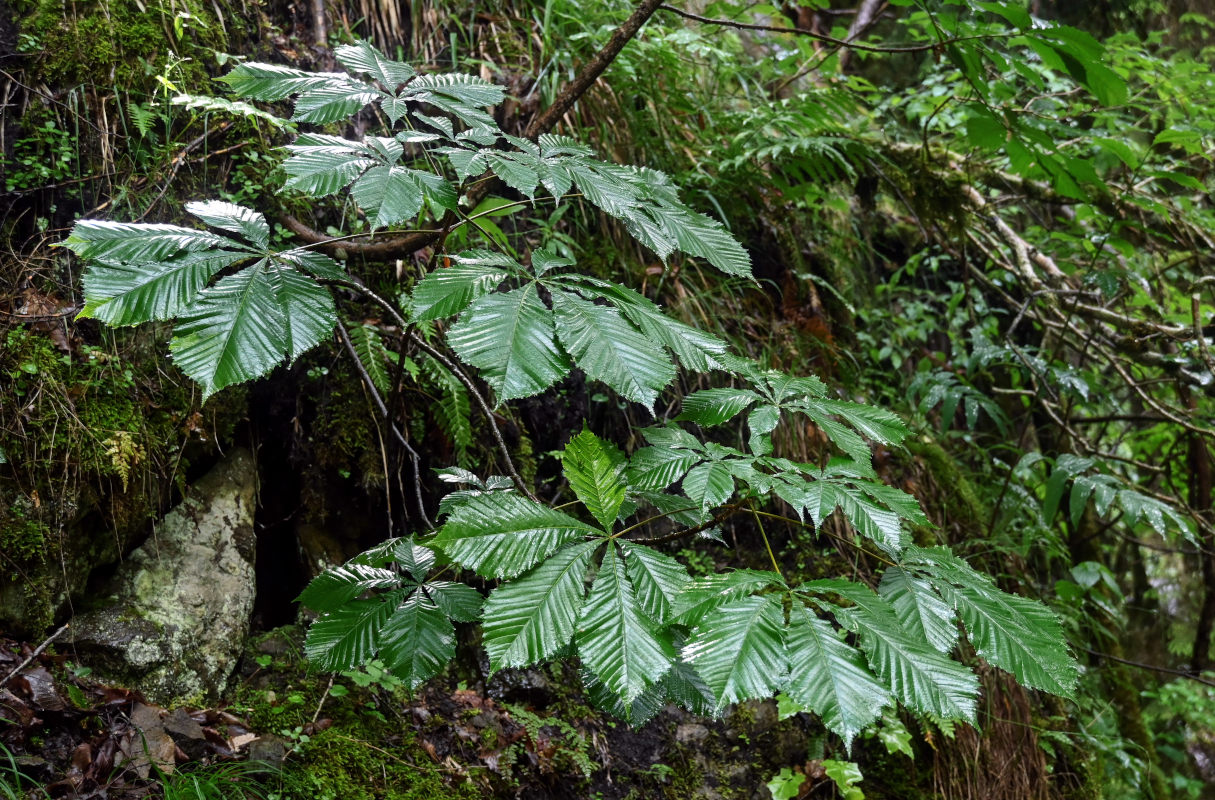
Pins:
x,y
590,581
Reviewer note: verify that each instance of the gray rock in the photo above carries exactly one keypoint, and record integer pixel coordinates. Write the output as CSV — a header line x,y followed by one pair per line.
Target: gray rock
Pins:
x,y
182,600
270,750
690,733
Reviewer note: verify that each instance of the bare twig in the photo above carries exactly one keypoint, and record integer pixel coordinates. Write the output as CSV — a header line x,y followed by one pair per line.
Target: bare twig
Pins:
x,y
869,48
379,402
37,652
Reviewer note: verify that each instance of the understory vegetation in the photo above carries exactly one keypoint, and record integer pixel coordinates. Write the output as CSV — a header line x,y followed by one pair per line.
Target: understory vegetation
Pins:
x,y
721,400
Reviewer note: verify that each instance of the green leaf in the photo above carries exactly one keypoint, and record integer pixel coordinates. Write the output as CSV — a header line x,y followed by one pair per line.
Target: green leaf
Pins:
x,y
322,165
919,609
829,676
272,82
739,651
337,586
388,195
918,676
234,218
786,784
1015,634
417,641
371,352
694,348
531,618
984,129
461,603
138,243
703,595
761,422
500,534
657,578
128,294
616,640
449,290
610,350
336,100
594,469
414,558
515,174
510,338
659,467
716,406
363,57
307,309
234,332
710,484
347,637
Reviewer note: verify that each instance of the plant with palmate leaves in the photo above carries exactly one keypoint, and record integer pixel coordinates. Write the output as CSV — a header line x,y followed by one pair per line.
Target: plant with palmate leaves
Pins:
x,y
591,581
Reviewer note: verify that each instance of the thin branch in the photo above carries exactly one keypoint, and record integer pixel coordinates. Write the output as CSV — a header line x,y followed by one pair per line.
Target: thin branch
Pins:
x,y
720,517
1152,667
37,652
868,48
442,358
379,402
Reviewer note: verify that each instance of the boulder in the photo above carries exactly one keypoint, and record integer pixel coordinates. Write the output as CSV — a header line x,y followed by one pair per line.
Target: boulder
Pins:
x,y
179,606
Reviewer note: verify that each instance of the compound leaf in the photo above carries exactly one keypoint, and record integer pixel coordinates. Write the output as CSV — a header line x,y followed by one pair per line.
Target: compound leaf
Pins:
x,y
531,618
500,534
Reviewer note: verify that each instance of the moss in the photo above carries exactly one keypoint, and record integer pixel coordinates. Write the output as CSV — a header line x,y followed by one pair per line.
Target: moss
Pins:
x,y
116,43
962,504
335,764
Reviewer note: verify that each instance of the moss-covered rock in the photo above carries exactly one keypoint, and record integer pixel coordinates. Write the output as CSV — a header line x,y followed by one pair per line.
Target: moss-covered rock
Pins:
x,y
181,603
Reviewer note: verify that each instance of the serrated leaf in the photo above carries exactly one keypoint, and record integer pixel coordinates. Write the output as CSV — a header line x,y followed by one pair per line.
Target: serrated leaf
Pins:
x,y
140,243
694,348
414,558
347,637
710,484
610,350
511,338
919,609
461,603
594,469
659,467
307,309
128,294
658,579
500,534
615,639
272,82
514,172
234,332
829,676
703,595
1016,634
388,195
323,165
336,100
739,650
918,676
449,290
761,422
337,586
318,265
363,57
417,640
464,88
716,406
531,618
233,218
